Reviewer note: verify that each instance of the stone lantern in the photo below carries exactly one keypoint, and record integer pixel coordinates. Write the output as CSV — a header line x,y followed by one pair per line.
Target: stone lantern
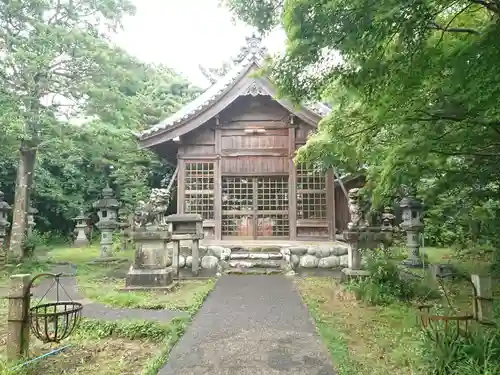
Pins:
x,y
81,239
32,211
4,224
412,210
107,210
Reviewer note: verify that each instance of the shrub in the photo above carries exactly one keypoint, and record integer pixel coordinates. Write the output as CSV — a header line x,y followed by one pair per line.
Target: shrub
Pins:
x,y
384,284
473,352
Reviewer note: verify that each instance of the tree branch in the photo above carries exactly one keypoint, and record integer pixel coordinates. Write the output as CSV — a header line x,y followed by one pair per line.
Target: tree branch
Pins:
x,y
436,26
488,5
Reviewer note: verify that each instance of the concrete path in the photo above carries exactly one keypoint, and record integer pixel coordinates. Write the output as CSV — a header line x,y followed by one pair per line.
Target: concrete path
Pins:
x,y
255,325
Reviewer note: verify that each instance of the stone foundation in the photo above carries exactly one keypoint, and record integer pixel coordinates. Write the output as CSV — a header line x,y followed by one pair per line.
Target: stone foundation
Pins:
x,y
290,260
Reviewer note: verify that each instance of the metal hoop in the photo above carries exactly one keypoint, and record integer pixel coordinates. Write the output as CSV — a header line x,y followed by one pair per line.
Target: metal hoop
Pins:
x,y
53,321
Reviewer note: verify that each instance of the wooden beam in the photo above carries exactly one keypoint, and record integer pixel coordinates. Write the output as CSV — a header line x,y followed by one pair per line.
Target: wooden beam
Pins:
x,y
292,184
218,183
330,204
181,164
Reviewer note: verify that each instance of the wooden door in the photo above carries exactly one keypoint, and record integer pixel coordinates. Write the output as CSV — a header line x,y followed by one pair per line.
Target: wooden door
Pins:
x,y
255,207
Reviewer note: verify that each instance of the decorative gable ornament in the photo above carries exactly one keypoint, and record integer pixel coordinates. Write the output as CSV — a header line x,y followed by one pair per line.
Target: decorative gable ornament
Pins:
x,y
253,49
255,89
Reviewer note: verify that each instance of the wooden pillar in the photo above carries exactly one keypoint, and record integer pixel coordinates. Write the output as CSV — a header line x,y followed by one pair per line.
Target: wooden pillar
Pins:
x,y
330,204
292,182
484,311
18,329
218,183
181,189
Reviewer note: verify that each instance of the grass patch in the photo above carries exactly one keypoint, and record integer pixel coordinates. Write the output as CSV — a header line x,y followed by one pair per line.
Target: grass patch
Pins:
x,y
374,340
97,283
82,255
101,282
121,347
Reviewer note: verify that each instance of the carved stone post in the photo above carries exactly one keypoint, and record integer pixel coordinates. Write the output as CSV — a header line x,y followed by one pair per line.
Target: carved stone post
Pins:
x,y
80,227
412,211
353,251
18,329
107,209
4,224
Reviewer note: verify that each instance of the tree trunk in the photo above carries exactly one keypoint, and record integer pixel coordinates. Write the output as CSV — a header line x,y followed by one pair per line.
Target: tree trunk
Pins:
x,y
24,183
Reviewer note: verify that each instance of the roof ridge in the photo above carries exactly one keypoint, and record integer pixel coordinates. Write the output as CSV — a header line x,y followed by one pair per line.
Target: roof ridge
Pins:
x,y
252,52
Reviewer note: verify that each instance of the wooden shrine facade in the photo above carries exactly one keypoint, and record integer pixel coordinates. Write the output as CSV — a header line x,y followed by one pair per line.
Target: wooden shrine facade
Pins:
x,y
234,148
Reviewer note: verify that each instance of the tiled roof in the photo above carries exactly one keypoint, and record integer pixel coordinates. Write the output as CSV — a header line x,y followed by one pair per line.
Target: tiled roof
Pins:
x,y
253,53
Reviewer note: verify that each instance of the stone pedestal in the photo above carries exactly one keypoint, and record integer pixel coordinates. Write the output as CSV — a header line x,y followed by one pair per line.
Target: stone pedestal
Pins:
x,y
186,227
353,270
413,260
353,253
152,266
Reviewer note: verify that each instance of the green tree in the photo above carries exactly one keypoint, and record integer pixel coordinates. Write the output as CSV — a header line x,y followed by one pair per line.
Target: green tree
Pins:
x,y
81,155
413,86
53,54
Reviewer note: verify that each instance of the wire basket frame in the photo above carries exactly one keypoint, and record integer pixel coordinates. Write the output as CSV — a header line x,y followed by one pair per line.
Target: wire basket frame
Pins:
x,y
53,321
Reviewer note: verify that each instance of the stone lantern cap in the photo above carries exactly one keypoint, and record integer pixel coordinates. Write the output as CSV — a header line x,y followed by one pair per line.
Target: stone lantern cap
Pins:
x,y
81,216
107,201
4,206
411,203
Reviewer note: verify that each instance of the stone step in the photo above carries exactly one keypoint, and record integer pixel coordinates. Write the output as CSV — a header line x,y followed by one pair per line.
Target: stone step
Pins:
x,y
255,263
256,256
254,271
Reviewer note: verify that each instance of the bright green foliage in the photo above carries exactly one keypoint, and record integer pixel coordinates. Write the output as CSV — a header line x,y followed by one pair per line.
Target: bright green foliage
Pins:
x,y
72,100
414,88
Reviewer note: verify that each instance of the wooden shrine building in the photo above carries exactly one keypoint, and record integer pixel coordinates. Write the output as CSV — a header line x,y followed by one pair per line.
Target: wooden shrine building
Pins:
x,y
234,147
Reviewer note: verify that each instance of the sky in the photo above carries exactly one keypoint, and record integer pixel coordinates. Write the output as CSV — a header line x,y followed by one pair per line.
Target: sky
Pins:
x,y
185,33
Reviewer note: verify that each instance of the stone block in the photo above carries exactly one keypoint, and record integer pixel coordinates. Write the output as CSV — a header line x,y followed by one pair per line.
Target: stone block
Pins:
x,y
149,278
298,250
308,261
209,261
329,262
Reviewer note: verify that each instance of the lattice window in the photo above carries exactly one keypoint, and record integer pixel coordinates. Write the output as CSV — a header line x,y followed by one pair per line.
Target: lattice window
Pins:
x,y
237,194
311,206
255,207
236,225
311,194
273,225
272,193
199,189
237,206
